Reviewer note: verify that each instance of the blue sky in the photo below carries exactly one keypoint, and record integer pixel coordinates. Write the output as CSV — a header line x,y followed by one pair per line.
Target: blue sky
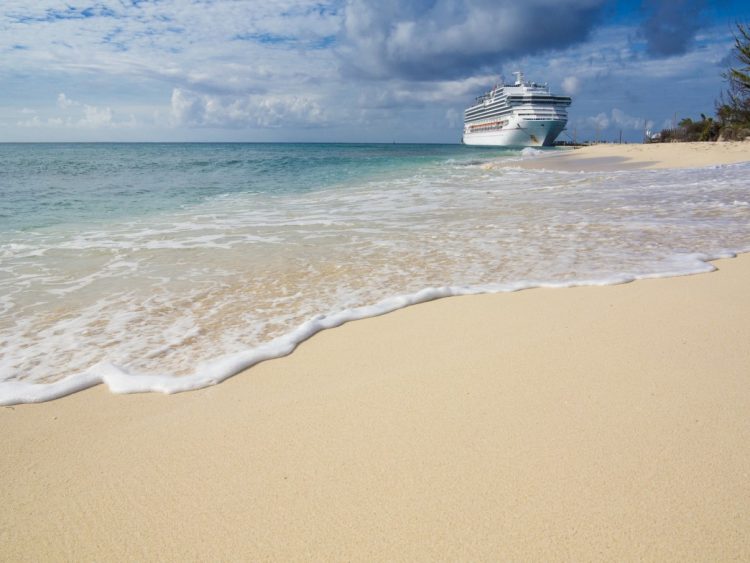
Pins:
x,y
348,70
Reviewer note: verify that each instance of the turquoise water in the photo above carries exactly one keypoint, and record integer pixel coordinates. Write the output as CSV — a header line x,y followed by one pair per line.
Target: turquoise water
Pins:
x,y
48,184
169,267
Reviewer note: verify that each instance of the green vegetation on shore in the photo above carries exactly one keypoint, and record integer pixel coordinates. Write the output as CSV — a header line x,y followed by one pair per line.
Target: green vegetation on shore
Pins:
x,y
732,122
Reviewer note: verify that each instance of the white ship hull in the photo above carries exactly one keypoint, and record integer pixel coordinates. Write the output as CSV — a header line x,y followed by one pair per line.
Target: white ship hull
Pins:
x,y
524,114
518,133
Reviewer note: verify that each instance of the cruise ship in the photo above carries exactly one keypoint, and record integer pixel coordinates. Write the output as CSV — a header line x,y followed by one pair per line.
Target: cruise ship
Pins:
x,y
524,114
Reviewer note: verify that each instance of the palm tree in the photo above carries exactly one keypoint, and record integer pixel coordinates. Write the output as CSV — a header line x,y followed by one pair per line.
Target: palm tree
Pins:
x,y
740,77
734,113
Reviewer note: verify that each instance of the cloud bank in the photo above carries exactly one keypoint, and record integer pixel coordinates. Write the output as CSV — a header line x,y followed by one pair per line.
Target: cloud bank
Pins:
x,y
445,39
670,25
200,110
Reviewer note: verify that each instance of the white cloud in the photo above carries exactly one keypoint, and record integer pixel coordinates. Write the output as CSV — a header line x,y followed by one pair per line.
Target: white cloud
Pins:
x,y
571,85
37,121
624,120
599,121
96,117
200,110
33,122
620,119
64,102
76,115
170,38
187,108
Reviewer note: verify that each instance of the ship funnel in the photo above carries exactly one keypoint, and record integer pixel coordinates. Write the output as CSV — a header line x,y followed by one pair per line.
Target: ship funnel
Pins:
x,y
519,77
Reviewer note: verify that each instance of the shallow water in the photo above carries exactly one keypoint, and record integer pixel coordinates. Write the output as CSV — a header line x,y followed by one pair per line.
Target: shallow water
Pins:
x,y
170,267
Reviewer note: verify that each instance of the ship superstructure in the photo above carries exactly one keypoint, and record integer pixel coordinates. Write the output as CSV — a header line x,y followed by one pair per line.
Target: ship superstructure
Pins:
x,y
523,114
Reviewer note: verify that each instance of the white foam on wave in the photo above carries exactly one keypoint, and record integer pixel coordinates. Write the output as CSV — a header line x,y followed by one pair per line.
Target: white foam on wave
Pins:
x,y
531,152
119,380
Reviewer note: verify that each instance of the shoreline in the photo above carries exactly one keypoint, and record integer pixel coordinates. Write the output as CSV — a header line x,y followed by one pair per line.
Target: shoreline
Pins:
x,y
590,422
218,370
652,156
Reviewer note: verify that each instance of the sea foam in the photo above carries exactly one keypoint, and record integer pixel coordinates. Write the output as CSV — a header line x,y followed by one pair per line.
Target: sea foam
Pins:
x,y
119,380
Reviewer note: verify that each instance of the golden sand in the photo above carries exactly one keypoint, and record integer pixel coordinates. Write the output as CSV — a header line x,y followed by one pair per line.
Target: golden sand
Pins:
x,y
657,155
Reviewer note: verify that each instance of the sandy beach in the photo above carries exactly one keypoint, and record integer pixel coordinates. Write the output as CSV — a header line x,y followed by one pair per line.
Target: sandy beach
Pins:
x,y
606,157
589,423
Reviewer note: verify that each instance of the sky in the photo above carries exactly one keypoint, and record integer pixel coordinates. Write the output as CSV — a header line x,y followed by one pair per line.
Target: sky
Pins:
x,y
349,70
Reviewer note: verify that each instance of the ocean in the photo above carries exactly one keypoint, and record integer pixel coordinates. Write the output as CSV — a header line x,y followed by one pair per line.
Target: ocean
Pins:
x,y
170,267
